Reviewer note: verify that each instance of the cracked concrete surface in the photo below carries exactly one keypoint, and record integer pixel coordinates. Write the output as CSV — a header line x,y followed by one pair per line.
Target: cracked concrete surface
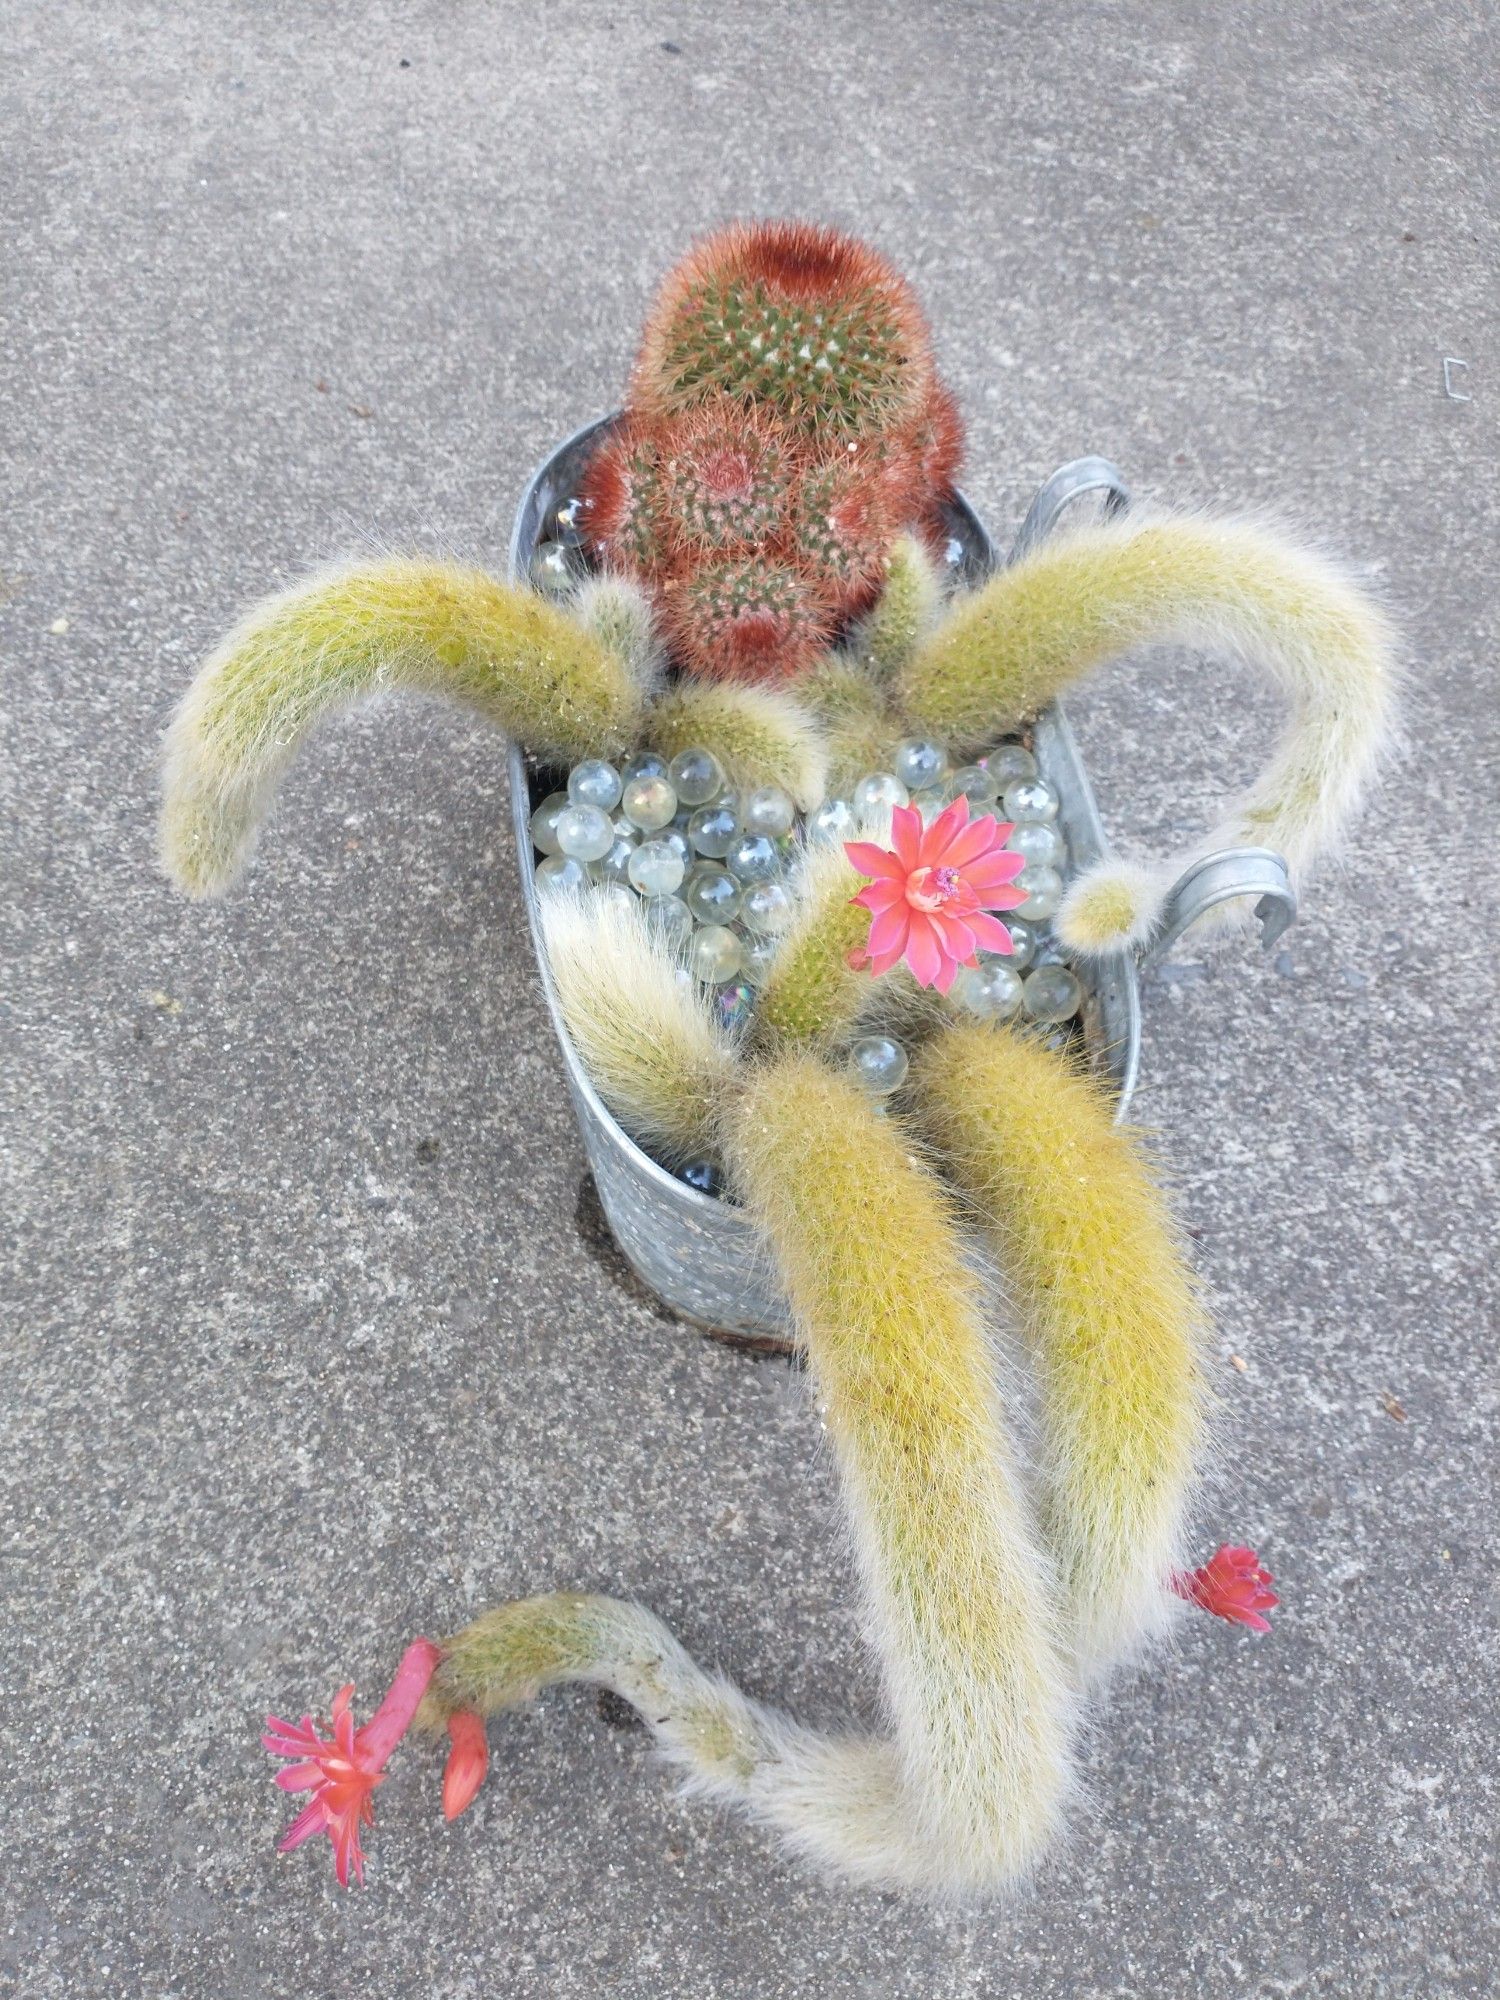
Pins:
x,y
309,1341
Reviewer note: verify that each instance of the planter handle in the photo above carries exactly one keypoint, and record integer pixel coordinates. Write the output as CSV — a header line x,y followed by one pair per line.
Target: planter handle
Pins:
x,y
1226,876
1058,492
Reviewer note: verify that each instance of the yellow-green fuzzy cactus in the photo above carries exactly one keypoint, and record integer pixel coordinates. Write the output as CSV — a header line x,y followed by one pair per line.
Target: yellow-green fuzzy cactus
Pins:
x,y
1112,1314
958,1595
811,993
760,735
906,612
649,1041
363,629
1222,585
969,1786
861,728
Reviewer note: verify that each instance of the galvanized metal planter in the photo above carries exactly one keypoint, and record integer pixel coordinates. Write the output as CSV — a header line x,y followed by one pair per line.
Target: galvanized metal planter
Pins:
x,y
700,1255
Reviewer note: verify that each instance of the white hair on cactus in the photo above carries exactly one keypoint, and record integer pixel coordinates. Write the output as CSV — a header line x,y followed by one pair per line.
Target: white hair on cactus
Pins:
x,y
646,1033
1237,588
1114,904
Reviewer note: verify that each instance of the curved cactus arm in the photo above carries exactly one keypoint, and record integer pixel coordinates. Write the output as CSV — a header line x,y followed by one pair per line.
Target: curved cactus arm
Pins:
x,y
837,1799
812,994
958,1596
971,1781
1222,585
357,630
650,1042
1108,1306
907,611
856,715
760,735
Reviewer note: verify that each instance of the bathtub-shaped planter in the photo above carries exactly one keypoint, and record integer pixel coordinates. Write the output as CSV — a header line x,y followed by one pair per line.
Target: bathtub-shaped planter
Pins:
x,y
700,1255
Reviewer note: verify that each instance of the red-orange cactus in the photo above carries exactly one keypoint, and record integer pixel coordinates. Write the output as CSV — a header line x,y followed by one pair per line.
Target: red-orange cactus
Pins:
x,y
790,314
785,426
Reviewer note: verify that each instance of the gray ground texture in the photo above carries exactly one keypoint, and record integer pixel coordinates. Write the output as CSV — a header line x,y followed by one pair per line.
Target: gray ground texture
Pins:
x,y
310,1339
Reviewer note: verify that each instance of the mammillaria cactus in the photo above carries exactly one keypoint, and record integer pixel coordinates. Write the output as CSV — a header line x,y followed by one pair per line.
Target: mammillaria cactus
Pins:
x,y
784,406
771,618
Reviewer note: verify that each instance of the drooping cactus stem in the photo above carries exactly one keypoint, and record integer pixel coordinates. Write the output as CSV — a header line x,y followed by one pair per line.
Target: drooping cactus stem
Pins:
x,y
358,630
1108,1308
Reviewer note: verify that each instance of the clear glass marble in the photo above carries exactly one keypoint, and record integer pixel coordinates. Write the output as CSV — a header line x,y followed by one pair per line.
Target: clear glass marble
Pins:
x,y
1008,762
644,764
757,955
920,763
715,954
878,793
767,810
615,866
713,895
765,907
1040,841
595,783
696,776
733,1001
568,522
560,871
879,1064
834,820
672,836
929,805
754,857
1051,993
991,989
974,782
1030,798
552,569
655,869
585,833
648,802
670,922
702,1175
1023,943
544,822
1044,893
713,830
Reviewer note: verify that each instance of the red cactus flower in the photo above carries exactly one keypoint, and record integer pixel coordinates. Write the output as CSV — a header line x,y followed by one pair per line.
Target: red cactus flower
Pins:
x,y
931,892
342,1769
468,1760
1232,1585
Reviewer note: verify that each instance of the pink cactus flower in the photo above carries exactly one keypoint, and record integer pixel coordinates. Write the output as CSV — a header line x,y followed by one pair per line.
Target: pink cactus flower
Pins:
x,y
468,1760
342,1769
931,892
1231,1585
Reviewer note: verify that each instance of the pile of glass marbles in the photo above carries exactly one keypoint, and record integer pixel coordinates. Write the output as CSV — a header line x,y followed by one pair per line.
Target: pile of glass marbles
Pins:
x,y
711,867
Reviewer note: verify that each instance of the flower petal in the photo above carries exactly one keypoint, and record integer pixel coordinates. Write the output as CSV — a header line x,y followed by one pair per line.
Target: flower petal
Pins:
x,y
989,933
872,860
880,895
392,1719
922,954
890,930
942,830
972,842
906,835
312,1819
